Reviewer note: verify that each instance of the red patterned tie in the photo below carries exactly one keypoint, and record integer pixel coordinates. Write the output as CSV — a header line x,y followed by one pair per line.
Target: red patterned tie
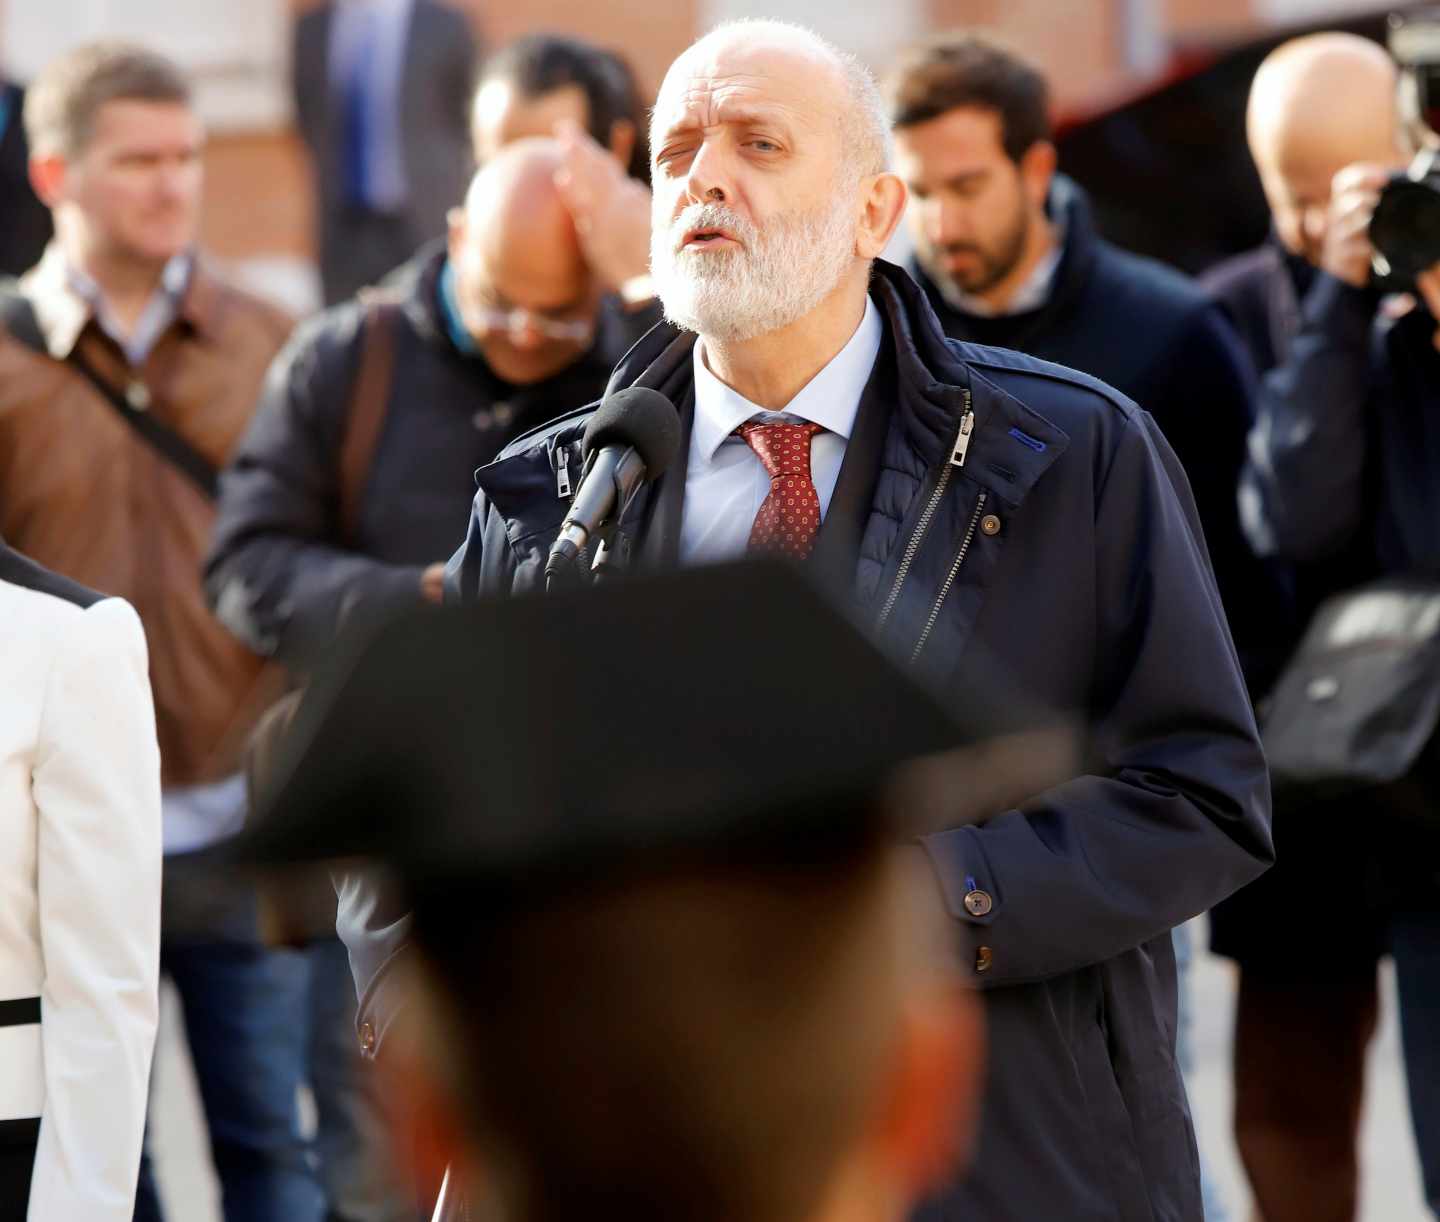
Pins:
x,y
790,515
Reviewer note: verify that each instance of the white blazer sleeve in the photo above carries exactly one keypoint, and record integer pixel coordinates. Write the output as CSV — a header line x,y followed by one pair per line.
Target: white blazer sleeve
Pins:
x,y
97,791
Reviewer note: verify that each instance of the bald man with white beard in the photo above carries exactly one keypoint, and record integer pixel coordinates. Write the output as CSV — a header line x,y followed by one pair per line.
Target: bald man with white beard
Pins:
x,y
1324,132
1004,525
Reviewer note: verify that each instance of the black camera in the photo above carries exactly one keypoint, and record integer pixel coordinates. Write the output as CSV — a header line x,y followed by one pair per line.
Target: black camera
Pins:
x,y
1405,229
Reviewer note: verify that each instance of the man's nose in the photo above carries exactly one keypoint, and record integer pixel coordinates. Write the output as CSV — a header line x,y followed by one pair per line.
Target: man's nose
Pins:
x,y
170,179
944,221
709,180
524,331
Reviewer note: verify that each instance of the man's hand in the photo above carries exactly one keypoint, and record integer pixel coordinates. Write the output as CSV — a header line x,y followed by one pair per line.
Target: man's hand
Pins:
x,y
611,210
432,583
1353,195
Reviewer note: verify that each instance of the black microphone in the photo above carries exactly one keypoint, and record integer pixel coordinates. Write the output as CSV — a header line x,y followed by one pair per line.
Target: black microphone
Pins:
x,y
631,438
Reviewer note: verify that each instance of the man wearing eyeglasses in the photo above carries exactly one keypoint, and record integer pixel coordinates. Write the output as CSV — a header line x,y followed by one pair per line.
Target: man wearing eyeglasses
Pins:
x,y
345,496
358,471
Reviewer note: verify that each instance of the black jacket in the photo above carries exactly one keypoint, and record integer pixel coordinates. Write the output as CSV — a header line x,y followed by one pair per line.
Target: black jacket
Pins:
x,y
280,575
1263,292
26,226
1345,455
1152,334
1083,597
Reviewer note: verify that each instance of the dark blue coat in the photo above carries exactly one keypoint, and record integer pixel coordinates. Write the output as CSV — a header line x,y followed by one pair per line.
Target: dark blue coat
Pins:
x,y
1155,336
1345,454
1084,596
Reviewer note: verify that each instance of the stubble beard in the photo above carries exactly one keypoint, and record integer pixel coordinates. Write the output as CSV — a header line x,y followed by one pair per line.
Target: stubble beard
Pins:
x,y
993,266
775,277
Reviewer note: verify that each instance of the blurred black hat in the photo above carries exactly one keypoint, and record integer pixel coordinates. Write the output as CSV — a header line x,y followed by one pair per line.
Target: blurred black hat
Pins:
x,y
701,713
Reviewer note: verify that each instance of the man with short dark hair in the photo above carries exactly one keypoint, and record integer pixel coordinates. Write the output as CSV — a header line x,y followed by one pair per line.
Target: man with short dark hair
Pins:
x,y
1019,533
586,97
1008,255
539,80
128,371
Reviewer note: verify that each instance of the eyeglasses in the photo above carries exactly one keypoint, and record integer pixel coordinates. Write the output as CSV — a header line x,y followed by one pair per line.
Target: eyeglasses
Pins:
x,y
518,321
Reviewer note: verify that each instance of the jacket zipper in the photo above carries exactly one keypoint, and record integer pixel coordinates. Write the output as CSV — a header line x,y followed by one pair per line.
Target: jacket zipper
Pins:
x,y
950,580
957,459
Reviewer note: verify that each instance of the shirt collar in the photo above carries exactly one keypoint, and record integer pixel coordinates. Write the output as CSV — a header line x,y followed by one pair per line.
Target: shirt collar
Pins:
x,y
65,299
830,399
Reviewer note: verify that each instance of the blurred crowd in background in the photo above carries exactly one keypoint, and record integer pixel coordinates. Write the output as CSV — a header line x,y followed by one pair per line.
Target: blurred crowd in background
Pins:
x,y
362,299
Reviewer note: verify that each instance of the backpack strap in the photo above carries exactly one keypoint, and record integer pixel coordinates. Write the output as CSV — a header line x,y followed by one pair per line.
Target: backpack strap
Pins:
x,y
369,403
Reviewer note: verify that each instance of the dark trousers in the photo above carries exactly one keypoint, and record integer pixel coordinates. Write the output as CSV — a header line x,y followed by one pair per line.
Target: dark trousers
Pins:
x,y
18,1139
1300,1044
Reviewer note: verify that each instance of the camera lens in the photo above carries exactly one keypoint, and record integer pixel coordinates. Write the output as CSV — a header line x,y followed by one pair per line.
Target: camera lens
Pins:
x,y
1405,229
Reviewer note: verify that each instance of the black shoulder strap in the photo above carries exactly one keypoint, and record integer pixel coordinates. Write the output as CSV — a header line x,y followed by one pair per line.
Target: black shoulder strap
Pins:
x,y
19,319
18,316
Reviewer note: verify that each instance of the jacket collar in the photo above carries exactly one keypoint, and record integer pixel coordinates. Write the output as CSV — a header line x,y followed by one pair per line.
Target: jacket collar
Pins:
x,y
925,360
61,312
937,379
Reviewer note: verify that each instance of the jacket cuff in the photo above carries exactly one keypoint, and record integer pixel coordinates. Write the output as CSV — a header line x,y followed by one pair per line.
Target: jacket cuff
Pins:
x,y
389,591
971,896
1340,310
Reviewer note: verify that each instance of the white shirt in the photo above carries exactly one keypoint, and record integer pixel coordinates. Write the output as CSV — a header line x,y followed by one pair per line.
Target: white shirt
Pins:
x,y
725,481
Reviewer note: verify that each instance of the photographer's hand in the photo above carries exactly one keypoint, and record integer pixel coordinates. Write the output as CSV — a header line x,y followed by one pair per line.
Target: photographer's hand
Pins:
x,y
611,210
1346,251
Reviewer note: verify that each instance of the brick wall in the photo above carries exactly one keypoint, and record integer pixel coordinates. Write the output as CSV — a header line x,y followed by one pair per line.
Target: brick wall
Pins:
x,y
259,197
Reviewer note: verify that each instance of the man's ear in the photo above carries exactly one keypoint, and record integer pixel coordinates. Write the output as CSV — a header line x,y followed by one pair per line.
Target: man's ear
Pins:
x,y
622,141
884,205
1037,169
47,178
930,1123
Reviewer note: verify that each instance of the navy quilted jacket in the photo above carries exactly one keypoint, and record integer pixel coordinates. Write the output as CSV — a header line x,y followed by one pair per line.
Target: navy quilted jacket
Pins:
x,y
1047,569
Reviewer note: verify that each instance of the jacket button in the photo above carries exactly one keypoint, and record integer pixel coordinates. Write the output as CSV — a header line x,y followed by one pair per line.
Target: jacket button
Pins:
x,y
990,524
367,1038
978,903
983,958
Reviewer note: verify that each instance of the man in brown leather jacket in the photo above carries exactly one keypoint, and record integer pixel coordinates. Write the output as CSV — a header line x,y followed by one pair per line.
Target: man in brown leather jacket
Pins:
x,y
128,372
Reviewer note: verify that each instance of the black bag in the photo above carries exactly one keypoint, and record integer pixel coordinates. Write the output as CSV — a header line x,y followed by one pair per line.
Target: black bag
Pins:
x,y
1357,707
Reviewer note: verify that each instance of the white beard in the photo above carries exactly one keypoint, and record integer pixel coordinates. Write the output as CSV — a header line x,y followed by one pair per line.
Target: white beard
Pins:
x,y
776,276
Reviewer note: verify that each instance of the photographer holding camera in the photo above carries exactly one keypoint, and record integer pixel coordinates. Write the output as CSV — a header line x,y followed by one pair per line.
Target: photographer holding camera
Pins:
x,y
1343,481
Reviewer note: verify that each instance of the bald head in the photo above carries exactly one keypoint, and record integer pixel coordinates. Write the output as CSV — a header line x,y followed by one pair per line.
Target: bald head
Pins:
x,y
1318,104
517,259
516,217
837,81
